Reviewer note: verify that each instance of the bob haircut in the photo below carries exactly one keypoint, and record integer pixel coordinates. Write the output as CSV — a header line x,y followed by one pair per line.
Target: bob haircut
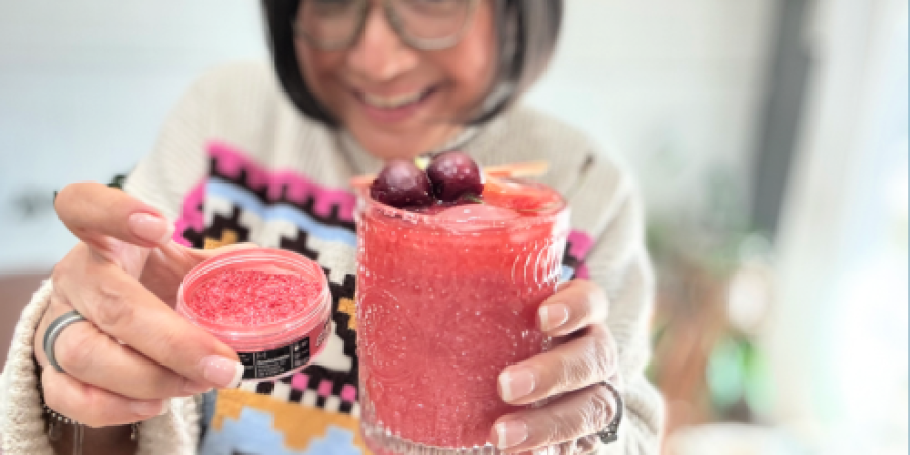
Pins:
x,y
527,32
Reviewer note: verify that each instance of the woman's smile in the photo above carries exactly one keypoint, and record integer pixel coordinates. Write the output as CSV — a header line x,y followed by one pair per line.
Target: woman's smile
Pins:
x,y
393,108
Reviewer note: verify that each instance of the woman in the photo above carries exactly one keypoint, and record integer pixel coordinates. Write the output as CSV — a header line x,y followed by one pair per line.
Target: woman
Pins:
x,y
358,82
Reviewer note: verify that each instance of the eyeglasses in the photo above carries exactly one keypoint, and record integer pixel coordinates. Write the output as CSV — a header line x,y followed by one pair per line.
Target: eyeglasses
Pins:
x,y
422,24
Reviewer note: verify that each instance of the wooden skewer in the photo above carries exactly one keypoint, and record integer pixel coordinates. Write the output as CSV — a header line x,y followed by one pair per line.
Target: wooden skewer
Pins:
x,y
362,181
526,169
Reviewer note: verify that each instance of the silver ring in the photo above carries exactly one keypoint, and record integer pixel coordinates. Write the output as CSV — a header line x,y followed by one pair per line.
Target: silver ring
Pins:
x,y
611,432
53,331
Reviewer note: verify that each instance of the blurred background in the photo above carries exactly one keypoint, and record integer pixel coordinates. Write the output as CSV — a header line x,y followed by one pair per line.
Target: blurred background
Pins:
x,y
770,138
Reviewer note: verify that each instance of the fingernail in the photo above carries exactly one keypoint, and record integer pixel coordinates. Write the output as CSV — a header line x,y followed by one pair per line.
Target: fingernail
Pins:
x,y
165,408
510,434
222,371
552,316
147,408
194,388
150,228
515,383
541,451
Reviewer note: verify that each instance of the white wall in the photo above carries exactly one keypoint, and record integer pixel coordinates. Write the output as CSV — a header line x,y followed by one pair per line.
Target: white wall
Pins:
x,y
674,86
84,85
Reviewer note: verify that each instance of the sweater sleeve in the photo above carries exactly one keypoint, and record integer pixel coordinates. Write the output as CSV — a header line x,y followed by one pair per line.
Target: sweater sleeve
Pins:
x,y
618,262
21,422
161,179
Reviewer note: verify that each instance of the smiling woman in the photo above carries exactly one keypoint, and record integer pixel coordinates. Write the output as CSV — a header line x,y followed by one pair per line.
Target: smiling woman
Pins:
x,y
384,88
263,154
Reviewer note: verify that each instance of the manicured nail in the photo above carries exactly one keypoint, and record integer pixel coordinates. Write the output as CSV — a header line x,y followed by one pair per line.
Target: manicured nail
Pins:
x,y
222,371
194,388
552,316
510,434
150,228
147,408
515,383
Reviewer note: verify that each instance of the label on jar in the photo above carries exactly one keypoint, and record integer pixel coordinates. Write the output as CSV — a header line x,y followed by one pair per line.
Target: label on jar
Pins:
x,y
277,361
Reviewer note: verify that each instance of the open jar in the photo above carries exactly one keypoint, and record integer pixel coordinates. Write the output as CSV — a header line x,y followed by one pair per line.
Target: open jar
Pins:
x,y
271,306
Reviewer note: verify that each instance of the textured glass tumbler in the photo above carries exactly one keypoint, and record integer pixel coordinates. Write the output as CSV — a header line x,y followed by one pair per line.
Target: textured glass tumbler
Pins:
x,y
443,306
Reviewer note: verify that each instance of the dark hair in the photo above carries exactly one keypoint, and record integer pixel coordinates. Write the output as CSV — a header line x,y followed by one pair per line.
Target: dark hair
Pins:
x,y
527,31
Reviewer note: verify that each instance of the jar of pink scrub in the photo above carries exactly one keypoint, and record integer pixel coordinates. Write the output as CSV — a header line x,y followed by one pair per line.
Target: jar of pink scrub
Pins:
x,y
272,306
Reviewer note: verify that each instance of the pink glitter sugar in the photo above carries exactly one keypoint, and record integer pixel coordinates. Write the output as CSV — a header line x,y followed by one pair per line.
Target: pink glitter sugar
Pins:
x,y
251,298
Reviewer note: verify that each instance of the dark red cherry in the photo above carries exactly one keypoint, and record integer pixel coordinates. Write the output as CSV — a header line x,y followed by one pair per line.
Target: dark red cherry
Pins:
x,y
453,175
402,184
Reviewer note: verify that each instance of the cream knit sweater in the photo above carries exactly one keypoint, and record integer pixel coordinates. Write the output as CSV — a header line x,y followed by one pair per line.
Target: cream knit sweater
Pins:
x,y
243,104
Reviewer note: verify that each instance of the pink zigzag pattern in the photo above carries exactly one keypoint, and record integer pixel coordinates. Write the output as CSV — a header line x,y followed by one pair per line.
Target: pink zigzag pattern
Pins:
x,y
231,161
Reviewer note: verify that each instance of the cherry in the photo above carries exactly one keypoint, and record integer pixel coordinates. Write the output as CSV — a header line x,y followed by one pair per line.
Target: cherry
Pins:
x,y
453,175
402,184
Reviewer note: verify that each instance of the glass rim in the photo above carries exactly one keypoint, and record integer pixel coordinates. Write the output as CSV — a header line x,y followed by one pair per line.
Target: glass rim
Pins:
x,y
274,333
559,212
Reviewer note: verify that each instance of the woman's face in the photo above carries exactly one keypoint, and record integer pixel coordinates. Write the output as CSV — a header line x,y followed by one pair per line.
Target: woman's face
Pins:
x,y
398,101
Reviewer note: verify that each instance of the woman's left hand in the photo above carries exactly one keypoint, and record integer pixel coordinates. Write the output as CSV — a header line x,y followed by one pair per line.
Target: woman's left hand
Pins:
x,y
570,374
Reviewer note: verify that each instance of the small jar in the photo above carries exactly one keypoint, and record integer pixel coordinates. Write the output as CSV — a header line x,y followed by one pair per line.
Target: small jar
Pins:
x,y
272,349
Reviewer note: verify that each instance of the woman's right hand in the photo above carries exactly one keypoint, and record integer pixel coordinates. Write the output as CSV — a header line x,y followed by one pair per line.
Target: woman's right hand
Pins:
x,y
123,278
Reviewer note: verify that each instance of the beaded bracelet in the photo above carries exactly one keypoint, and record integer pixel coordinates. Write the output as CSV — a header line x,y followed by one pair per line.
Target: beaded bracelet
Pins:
x,y
57,420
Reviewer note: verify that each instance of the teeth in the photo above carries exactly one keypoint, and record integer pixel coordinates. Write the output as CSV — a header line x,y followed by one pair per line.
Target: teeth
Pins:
x,y
392,102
